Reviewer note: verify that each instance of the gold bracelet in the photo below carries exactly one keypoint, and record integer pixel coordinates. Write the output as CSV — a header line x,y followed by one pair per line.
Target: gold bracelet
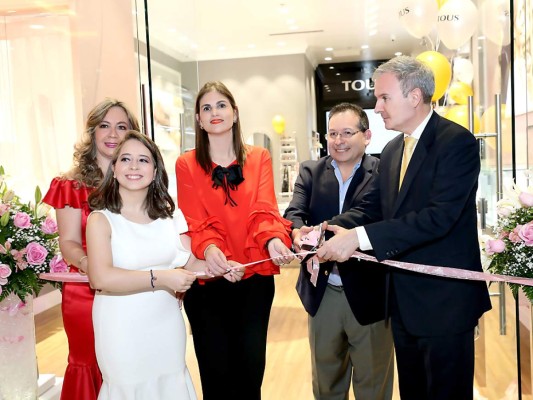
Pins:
x,y
81,259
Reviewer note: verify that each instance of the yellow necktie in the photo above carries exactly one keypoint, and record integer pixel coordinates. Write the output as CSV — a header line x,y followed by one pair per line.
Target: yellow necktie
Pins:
x,y
408,147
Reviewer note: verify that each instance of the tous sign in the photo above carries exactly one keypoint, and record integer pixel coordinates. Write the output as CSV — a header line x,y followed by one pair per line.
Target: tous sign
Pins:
x,y
358,85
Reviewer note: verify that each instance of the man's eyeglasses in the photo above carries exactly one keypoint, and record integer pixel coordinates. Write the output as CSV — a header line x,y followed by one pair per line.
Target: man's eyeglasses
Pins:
x,y
343,135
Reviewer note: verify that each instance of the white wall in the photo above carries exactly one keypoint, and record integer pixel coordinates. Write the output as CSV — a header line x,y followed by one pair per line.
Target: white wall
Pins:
x,y
264,87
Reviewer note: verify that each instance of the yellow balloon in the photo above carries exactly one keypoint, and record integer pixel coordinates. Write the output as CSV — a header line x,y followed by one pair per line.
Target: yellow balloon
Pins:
x,y
278,123
488,120
459,92
440,3
459,115
441,68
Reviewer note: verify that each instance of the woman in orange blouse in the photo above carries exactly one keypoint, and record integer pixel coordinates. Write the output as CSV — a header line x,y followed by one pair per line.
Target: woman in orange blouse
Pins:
x,y
107,124
226,192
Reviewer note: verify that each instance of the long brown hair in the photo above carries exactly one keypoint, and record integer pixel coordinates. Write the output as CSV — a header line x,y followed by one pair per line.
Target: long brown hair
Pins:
x,y
203,157
158,202
85,169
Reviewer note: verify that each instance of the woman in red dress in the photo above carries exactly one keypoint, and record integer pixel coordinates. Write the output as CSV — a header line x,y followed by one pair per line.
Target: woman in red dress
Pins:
x,y
106,126
226,192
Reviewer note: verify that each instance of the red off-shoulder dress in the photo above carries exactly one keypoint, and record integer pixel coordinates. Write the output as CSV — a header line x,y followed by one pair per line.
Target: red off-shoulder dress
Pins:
x,y
82,377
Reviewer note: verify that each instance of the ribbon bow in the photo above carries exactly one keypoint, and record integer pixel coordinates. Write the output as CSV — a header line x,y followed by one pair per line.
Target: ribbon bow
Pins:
x,y
228,178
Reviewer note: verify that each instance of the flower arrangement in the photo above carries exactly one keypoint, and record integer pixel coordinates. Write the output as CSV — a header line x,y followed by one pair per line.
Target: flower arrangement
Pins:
x,y
511,251
28,243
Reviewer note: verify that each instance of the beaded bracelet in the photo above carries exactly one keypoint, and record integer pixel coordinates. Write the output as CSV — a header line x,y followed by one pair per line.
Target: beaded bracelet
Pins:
x,y
152,279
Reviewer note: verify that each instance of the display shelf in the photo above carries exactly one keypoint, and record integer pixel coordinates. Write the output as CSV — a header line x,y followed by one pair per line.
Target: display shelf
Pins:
x,y
288,165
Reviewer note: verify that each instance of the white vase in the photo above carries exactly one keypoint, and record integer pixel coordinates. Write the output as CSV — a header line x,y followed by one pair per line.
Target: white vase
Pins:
x,y
18,361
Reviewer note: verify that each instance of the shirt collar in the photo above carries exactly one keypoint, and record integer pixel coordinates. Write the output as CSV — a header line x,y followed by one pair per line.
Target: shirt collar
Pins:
x,y
336,166
420,128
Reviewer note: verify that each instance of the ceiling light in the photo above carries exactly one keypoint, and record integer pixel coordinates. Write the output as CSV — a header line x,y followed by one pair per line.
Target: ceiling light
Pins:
x,y
37,26
398,53
332,67
338,74
328,58
329,48
365,46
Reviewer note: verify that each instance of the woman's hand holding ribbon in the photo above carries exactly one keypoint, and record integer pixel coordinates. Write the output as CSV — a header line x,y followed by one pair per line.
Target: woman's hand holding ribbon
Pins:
x,y
279,253
217,264
236,271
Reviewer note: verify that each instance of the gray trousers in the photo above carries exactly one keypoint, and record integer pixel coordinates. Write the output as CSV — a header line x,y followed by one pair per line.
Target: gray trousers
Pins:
x,y
343,351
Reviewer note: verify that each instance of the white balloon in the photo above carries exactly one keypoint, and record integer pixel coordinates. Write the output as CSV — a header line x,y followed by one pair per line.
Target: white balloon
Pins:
x,y
496,21
418,16
456,22
463,70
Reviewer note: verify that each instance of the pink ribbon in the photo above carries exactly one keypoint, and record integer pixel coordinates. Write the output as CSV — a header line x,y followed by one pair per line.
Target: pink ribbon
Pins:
x,y
446,272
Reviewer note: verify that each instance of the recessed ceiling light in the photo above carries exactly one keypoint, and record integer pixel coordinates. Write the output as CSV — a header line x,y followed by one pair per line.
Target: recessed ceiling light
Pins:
x,y
332,67
328,58
398,53
481,38
329,48
365,46
338,74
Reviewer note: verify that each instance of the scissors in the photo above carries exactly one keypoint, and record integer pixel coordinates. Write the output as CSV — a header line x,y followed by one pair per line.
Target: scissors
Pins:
x,y
321,235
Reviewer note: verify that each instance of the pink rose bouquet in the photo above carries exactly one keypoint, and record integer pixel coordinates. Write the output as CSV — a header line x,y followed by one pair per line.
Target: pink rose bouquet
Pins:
x,y
28,244
511,251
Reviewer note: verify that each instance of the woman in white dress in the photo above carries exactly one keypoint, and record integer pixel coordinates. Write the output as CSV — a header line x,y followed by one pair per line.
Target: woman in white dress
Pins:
x,y
140,262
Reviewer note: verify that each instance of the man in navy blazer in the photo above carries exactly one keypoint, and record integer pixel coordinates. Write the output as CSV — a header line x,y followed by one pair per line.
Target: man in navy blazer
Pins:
x,y
348,337
430,219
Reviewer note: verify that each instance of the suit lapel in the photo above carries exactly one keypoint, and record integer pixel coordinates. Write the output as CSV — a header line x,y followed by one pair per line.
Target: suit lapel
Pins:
x,y
417,159
356,185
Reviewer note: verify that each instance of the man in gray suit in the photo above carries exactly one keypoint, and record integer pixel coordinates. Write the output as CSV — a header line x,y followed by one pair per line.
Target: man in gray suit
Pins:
x,y
347,333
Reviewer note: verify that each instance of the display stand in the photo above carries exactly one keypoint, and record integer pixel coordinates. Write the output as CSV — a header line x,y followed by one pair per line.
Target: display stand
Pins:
x,y
288,166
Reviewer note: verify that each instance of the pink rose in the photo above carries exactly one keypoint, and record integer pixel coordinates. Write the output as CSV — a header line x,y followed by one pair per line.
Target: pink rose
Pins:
x,y
3,209
49,226
494,246
22,220
526,199
57,264
3,281
526,233
5,271
513,235
35,253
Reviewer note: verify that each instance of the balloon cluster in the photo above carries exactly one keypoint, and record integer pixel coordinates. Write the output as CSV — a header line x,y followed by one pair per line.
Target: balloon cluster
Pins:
x,y
456,20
